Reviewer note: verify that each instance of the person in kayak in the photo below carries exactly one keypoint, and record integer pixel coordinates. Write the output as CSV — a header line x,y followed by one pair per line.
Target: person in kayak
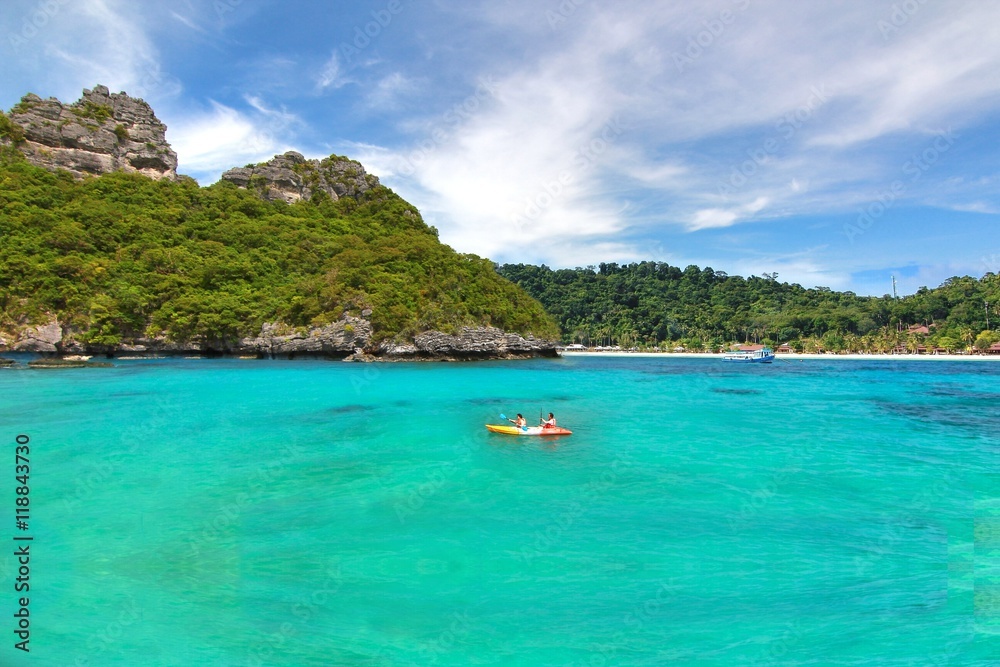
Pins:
x,y
520,422
550,422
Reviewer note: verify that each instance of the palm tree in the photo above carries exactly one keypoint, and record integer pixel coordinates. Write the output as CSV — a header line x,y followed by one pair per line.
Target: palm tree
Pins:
x,y
968,337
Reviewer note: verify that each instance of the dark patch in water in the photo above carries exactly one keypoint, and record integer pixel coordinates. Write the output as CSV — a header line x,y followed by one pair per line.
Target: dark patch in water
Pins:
x,y
958,392
345,409
534,400
737,392
971,417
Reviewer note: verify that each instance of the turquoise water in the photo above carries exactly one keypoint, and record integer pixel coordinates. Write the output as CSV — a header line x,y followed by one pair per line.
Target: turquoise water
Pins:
x,y
227,512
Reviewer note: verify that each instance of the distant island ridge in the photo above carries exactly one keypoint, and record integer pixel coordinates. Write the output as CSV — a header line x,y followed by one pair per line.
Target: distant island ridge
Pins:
x,y
652,306
108,250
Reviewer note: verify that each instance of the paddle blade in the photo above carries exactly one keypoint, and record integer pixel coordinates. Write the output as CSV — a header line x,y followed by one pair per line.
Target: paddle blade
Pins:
x,y
503,416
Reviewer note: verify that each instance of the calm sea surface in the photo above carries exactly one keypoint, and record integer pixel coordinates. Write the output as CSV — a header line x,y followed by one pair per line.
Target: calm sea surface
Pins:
x,y
227,512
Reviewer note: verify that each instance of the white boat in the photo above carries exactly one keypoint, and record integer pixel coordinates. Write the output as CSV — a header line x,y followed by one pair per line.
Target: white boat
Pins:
x,y
763,355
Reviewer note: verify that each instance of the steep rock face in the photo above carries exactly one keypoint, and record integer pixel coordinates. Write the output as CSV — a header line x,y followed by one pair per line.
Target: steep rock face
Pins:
x,y
344,336
99,133
348,337
481,342
291,177
42,338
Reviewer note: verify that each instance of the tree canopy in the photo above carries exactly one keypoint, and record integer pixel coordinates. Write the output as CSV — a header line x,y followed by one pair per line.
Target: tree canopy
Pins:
x,y
651,303
122,256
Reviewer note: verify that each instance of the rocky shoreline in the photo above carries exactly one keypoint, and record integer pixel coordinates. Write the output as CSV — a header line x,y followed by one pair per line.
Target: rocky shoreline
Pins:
x,y
349,339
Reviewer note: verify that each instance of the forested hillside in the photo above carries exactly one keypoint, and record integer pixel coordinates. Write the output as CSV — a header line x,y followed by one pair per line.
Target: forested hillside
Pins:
x,y
652,303
120,256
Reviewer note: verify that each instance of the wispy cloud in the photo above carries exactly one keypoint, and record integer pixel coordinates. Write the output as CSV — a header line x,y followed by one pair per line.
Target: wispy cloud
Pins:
x,y
554,132
330,74
387,92
785,101
717,217
190,23
82,44
210,141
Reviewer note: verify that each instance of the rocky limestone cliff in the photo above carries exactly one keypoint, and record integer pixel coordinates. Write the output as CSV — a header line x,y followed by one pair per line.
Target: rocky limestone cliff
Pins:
x,y
291,177
104,132
100,133
349,338
478,342
42,338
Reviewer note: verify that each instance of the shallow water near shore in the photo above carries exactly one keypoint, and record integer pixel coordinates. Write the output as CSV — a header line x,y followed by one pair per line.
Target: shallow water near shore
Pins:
x,y
228,512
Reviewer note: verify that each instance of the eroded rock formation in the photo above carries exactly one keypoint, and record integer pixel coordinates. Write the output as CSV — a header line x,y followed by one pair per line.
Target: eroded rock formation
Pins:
x,y
100,133
291,177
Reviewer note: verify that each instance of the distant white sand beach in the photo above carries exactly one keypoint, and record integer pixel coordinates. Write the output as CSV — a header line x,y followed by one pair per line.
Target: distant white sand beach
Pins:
x,y
793,356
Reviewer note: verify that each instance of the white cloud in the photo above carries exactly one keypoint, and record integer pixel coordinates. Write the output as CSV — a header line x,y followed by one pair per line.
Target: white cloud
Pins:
x,y
793,93
190,23
279,120
386,93
717,217
331,75
976,207
209,142
774,113
82,44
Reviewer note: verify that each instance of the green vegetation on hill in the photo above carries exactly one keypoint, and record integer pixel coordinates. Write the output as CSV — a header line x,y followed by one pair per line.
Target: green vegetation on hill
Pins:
x,y
122,256
651,304
10,130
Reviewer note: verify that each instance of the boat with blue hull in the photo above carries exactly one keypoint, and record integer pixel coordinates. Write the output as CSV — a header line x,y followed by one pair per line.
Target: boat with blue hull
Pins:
x,y
764,355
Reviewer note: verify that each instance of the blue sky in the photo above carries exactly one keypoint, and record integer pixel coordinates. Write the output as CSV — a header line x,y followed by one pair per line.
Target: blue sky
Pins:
x,y
835,143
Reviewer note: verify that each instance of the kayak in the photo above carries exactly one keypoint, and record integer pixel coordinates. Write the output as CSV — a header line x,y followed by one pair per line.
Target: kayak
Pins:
x,y
528,430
